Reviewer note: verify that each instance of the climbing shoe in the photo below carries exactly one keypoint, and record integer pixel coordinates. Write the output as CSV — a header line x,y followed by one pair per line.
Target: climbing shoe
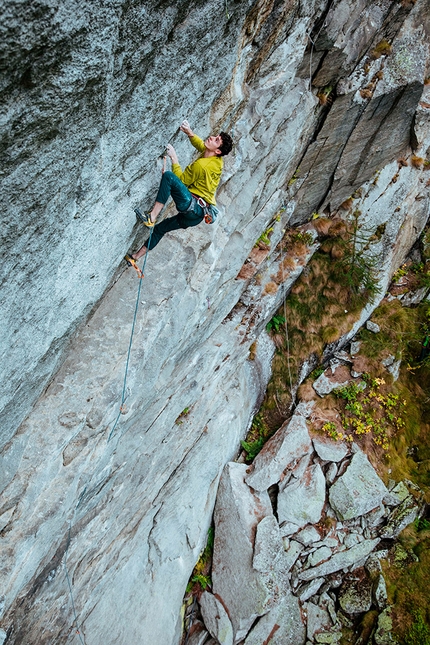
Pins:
x,y
131,262
144,218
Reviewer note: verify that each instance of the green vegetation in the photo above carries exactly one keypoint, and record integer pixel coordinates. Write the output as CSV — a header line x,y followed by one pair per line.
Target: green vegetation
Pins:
x,y
182,416
275,324
371,411
256,438
200,578
265,237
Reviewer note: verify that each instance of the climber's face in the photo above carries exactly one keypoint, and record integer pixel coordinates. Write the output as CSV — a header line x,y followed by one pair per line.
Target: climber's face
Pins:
x,y
213,143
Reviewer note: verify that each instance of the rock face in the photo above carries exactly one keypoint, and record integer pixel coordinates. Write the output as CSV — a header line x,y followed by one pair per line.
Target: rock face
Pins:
x,y
90,97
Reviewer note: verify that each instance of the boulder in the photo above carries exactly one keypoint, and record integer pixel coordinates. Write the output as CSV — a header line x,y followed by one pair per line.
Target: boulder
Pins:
x,y
400,518
308,535
329,380
283,625
355,596
216,619
329,450
320,555
302,501
358,491
292,553
280,454
310,589
318,620
239,587
372,326
331,473
380,596
340,560
382,635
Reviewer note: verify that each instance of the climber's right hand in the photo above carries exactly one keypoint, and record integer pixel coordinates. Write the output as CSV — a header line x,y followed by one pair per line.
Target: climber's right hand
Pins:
x,y
185,127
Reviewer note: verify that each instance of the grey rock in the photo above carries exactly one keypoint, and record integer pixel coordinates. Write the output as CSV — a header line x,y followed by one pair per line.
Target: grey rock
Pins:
x,y
326,383
389,360
268,545
373,565
216,619
301,502
318,620
375,517
280,454
321,554
358,491
292,553
198,637
355,595
394,370
308,535
331,542
281,625
328,602
383,635
400,491
380,596
79,123
2,636
329,450
331,473
355,347
304,408
341,560
329,638
238,511
351,539
310,589
372,326
356,374
400,518
289,528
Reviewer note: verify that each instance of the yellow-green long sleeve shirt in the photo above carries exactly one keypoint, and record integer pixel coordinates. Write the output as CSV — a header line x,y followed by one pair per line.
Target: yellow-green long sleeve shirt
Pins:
x,y
203,175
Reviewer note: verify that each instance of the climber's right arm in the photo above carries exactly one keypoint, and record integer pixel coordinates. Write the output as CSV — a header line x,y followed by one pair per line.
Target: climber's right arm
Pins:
x,y
194,139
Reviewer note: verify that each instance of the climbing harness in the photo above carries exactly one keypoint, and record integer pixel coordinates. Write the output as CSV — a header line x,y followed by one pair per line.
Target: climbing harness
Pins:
x,y
209,210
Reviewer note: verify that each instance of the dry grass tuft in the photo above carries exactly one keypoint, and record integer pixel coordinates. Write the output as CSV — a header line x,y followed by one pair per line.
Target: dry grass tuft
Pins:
x,y
338,227
271,287
417,162
383,48
347,204
306,392
322,225
366,94
402,162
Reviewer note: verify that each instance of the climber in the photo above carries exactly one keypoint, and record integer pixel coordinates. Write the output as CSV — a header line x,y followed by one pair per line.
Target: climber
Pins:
x,y
192,190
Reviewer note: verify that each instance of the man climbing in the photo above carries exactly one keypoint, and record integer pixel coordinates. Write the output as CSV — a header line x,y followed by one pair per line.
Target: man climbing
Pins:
x,y
192,190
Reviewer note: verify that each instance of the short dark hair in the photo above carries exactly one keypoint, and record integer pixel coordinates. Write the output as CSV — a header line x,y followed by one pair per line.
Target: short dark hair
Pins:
x,y
227,144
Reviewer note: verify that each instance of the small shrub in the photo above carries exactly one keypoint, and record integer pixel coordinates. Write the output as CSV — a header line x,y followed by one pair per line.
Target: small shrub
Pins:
x,y
366,93
275,324
347,204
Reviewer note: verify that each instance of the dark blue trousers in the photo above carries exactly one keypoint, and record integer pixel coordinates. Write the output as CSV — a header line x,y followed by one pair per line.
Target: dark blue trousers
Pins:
x,y
172,186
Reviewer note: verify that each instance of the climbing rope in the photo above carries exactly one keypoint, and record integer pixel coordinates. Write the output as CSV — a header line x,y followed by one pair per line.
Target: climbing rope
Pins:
x,y
69,539
79,632
287,337
123,396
